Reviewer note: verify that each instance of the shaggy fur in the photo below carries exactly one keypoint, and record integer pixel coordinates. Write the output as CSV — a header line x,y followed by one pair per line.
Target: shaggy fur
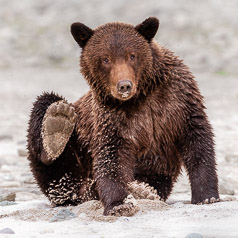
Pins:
x,y
147,135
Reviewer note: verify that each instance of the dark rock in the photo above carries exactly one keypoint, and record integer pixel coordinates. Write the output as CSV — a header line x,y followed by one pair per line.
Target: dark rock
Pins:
x,y
7,231
63,215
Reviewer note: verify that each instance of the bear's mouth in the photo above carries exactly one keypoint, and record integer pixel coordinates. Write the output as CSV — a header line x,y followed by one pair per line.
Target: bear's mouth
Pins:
x,y
123,95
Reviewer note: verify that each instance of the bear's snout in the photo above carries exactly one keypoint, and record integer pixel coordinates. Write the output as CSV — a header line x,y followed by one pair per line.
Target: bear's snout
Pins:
x,y
123,84
124,87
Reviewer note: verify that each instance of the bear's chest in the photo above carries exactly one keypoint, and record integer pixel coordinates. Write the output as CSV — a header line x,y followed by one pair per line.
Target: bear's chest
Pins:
x,y
142,131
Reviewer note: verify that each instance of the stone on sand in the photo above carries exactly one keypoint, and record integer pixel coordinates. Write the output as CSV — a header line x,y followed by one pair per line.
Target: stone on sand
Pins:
x,y
7,231
62,215
7,195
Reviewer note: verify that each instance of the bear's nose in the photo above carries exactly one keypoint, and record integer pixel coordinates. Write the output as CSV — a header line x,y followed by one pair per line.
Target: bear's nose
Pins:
x,y
124,86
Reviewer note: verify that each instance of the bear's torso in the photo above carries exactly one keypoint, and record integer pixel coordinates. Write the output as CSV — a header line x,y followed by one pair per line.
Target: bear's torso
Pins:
x,y
148,127
151,126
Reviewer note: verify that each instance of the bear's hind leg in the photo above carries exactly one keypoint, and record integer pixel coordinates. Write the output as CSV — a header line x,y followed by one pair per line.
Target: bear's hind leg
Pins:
x,y
60,176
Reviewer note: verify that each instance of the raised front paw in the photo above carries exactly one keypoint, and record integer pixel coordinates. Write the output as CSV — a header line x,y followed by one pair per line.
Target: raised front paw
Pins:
x,y
128,208
57,127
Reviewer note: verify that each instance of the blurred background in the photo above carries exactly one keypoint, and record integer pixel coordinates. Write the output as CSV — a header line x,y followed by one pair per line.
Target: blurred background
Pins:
x,y
37,33
38,53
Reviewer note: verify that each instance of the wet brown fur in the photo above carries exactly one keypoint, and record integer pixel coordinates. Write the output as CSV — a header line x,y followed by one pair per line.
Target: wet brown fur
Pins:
x,y
149,136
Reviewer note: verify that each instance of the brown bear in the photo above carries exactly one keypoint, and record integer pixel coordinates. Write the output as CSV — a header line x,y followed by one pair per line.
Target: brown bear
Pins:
x,y
142,120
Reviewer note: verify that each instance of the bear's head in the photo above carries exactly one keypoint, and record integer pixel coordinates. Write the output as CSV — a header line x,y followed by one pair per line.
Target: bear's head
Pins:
x,y
116,57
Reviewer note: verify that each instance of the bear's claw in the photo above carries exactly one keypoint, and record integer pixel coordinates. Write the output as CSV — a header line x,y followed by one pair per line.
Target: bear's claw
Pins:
x,y
209,201
57,127
128,208
141,190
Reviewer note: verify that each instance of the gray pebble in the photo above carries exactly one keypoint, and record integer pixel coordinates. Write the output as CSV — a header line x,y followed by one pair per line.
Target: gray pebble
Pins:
x,y
7,231
194,235
7,203
7,196
63,215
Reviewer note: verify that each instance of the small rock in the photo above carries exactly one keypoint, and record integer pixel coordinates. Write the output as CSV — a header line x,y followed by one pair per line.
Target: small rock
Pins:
x,y
7,203
10,184
7,231
225,187
7,196
22,152
194,235
63,215
25,196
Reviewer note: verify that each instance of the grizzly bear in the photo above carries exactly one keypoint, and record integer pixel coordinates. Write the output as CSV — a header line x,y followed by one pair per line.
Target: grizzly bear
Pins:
x,y
142,120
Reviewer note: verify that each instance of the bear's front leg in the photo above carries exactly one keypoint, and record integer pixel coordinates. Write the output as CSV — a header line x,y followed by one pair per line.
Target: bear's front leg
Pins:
x,y
115,198
197,150
113,170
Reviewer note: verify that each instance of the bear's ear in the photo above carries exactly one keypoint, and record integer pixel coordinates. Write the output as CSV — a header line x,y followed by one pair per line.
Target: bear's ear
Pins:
x,y
81,33
148,28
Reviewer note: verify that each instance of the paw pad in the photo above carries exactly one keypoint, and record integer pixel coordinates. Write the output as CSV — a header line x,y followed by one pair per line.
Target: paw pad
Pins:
x,y
57,127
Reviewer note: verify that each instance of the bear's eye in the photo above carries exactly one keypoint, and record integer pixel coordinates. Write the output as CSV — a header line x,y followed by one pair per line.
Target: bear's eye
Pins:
x,y
132,57
105,60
